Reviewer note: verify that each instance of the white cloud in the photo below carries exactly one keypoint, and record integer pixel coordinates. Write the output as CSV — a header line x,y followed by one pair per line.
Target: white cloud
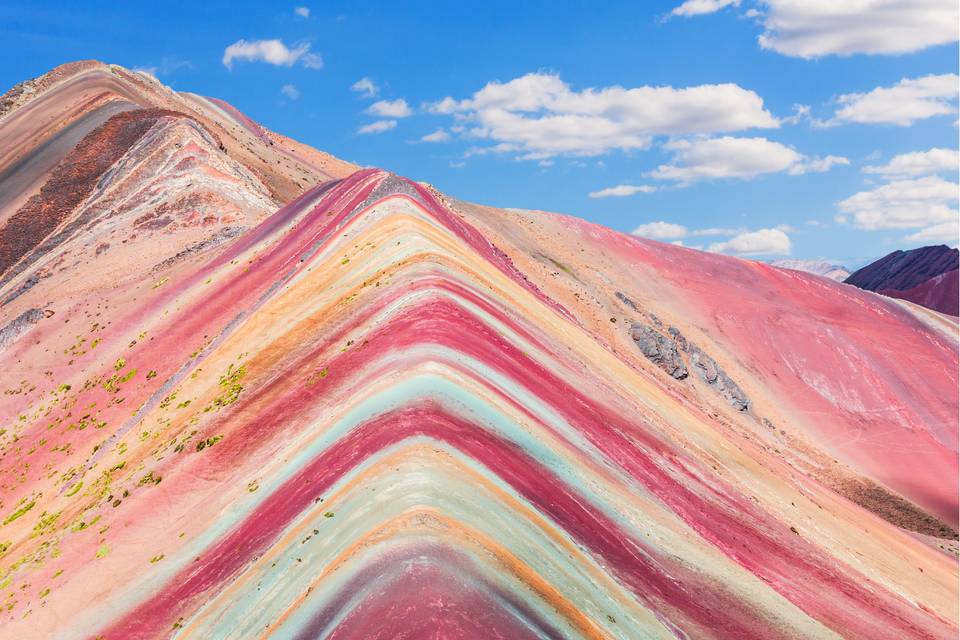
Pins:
x,y
538,115
903,204
437,136
943,232
290,91
622,190
377,127
919,163
660,231
701,7
800,112
390,108
303,12
909,100
365,87
762,242
815,28
817,165
731,157
718,231
726,157
444,107
273,52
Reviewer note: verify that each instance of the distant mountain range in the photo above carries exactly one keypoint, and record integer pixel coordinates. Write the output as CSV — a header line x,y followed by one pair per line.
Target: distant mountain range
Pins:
x,y
926,276
818,267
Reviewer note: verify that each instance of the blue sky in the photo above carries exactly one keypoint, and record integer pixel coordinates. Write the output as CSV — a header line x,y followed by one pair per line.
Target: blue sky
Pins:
x,y
689,107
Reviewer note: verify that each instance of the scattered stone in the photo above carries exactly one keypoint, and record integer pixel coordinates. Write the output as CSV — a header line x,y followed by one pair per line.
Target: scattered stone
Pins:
x,y
626,301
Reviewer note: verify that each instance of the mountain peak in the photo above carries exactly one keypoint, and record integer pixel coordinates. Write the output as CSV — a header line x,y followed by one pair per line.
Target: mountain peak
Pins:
x,y
251,389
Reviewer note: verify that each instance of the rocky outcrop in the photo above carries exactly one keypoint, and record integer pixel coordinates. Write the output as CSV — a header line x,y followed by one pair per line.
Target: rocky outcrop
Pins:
x,y
711,373
12,331
659,349
665,351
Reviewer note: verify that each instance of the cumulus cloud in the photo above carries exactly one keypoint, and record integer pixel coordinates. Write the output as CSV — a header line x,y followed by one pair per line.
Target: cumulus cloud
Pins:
x,y
290,91
303,12
660,231
377,127
390,108
904,103
273,52
538,115
815,28
439,135
365,87
903,204
762,242
918,163
731,157
701,7
622,190
446,106
943,232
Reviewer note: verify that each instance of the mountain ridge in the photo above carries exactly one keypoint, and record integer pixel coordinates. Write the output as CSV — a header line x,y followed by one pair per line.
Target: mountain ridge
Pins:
x,y
914,275
377,393
901,270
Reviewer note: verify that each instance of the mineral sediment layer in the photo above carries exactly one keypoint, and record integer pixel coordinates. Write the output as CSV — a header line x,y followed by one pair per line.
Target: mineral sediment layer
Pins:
x,y
297,399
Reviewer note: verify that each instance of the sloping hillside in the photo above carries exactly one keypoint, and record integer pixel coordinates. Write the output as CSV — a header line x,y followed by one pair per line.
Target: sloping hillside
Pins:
x,y
369,410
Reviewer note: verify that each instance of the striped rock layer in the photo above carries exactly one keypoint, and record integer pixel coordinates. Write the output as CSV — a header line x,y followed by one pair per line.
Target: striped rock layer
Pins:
x,y
378,412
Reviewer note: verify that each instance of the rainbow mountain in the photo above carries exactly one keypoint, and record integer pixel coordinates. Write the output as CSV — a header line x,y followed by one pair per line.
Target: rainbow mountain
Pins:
x,y
253,391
